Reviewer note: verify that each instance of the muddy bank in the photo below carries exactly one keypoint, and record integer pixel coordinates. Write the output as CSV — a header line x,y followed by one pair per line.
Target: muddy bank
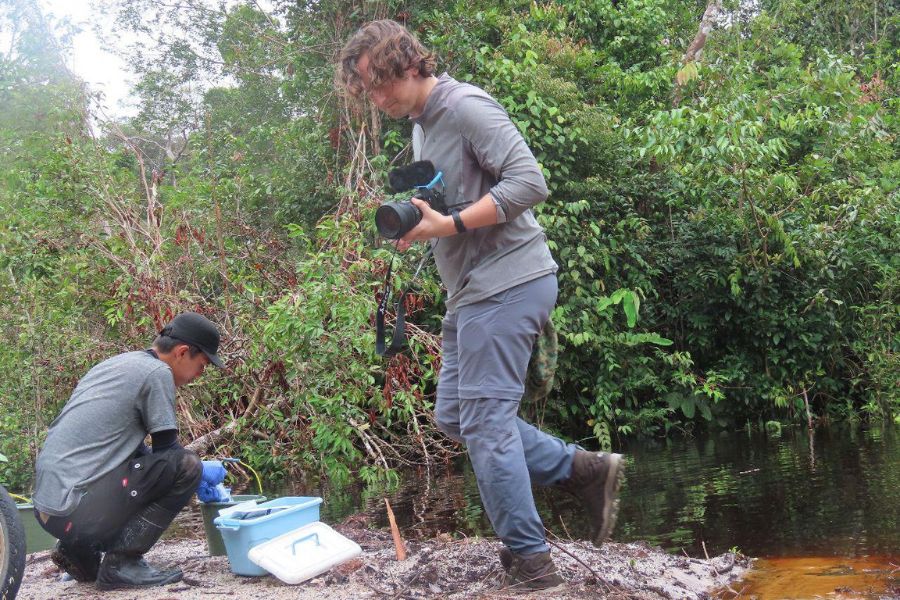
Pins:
x,y
435,568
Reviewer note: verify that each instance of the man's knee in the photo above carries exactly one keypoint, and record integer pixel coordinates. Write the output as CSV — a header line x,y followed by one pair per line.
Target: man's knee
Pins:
x,y
487,420
190,467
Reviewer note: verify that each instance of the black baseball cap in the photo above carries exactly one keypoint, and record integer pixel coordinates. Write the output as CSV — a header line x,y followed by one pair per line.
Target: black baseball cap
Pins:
x,y
197,330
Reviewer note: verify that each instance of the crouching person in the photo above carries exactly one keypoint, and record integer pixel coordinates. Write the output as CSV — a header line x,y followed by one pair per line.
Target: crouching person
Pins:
x,y
99,488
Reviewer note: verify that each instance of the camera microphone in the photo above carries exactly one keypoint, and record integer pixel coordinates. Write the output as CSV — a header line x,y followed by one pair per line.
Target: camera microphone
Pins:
x,y
412,175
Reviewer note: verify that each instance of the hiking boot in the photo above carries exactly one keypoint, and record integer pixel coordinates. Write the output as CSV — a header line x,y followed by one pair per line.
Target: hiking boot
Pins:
x,y
81,562
595,480
529,571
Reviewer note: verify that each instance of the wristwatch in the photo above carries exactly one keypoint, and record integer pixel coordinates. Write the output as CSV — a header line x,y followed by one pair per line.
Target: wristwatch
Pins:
x,y
457,221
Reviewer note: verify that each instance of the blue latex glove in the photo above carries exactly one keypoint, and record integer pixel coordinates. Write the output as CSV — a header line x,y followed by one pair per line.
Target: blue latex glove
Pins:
x,y
213,472
208,492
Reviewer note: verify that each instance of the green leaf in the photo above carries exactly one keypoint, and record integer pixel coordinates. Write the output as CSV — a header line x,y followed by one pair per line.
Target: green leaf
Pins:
x,y
655,338
603,303
631,303
634,339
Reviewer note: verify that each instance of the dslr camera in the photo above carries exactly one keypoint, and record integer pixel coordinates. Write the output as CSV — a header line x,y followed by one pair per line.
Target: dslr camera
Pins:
x,y
395,219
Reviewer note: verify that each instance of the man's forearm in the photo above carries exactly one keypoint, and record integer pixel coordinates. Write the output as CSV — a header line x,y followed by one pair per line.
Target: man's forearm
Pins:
x,y
480,214
437,225
165,440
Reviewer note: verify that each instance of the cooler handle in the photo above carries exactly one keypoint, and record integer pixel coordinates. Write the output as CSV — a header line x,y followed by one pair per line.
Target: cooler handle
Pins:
x,y
315,534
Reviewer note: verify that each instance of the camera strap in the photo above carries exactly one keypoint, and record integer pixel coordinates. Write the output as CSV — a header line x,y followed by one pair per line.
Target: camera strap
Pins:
x,y
399,337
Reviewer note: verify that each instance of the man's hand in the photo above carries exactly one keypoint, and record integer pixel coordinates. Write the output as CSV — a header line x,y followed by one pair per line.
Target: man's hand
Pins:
x,y
213,472
207,492
435,225
432,225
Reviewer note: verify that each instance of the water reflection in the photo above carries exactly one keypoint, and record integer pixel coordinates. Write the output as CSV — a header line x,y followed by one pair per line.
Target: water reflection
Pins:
x,y
768,494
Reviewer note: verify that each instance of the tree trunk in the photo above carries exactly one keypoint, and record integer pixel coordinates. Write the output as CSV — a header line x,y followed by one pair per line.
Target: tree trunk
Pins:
x,y
706,24
689,70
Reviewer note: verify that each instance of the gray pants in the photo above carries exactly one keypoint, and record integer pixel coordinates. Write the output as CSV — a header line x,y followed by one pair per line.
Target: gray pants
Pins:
x,y
486,348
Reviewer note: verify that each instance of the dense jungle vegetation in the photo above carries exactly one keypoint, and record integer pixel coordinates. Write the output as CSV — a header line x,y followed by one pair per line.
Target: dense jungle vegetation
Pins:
x,y
724,210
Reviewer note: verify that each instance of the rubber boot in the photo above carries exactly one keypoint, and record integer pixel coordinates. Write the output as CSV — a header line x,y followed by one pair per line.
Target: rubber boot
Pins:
x,y
80,561
124,565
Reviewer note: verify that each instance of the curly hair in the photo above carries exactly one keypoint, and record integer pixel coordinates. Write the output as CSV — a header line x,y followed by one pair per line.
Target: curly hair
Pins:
x,y
392,50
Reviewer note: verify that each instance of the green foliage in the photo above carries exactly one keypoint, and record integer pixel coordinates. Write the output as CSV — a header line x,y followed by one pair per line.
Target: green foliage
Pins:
x,y
841,25
311,331
724,249
781,172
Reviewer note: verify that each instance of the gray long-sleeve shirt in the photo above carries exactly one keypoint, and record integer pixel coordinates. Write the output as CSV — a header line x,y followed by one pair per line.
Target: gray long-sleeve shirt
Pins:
x,y
471,139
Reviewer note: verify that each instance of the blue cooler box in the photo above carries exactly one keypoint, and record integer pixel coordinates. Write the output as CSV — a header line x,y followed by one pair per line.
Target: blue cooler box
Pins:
x,y
245,526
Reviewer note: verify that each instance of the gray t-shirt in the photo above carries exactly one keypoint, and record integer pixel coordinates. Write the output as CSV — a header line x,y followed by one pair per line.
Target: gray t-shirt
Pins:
x,y
471,139
113,408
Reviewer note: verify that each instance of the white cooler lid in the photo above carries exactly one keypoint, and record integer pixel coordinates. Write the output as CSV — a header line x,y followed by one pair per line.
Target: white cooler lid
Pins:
x,y
303,553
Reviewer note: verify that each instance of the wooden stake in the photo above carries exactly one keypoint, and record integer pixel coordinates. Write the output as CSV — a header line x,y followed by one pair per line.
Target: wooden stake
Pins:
x,y
395,531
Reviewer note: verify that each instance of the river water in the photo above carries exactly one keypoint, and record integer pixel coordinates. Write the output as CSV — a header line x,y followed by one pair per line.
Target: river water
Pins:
x,y
767,494
824,508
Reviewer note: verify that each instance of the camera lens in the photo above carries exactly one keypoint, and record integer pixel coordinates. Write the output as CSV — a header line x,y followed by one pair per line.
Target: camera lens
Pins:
x,y
394,219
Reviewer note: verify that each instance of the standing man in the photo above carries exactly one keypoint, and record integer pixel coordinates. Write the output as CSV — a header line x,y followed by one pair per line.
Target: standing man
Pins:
x,y
99,488
493,258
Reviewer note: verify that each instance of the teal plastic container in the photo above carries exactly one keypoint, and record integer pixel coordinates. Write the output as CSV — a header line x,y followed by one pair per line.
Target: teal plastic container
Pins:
x,y
244,529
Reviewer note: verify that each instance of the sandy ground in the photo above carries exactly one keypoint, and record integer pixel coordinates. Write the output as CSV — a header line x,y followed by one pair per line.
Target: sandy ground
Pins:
x,y
436,568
